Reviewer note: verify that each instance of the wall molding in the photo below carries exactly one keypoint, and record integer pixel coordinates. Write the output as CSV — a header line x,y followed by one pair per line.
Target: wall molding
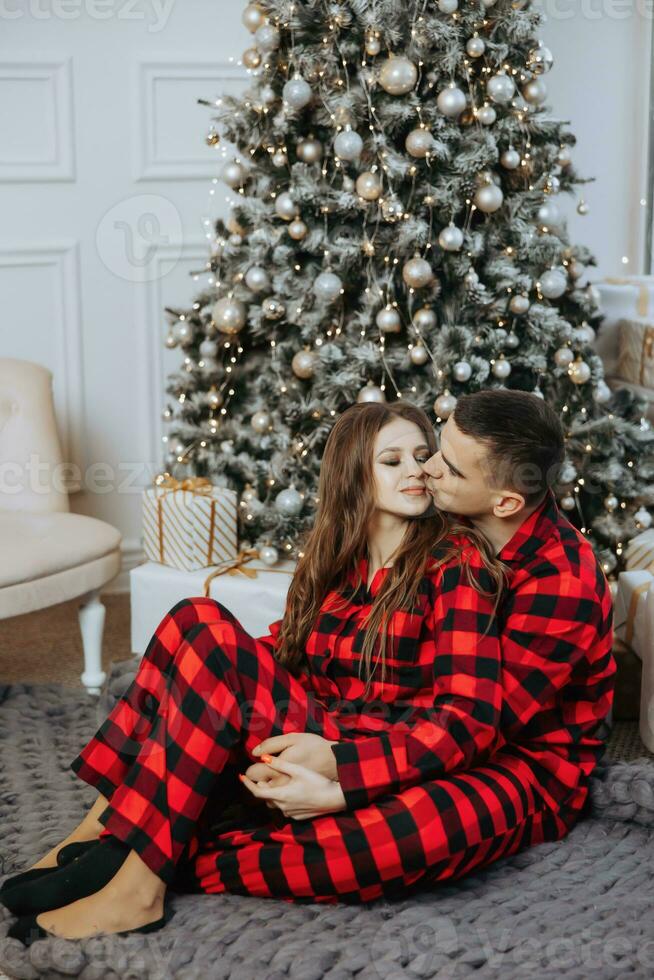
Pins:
x,y
148,165
59,87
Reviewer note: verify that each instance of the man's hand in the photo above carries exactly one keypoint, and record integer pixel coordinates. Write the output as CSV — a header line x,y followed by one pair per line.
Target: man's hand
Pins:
x,y
303,748
304,794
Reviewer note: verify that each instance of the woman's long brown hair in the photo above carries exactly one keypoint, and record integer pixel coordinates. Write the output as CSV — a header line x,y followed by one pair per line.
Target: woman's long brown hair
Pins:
x,y
339,537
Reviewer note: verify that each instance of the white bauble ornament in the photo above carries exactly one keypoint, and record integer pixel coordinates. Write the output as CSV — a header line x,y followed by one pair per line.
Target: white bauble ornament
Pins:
x,y
288,502
304,364
327,287
643,517
582,207
298,229
462,371
602,393
553,283
563,357
268,554
253,17
419,355
272,308
584,334
371,393
372,45
267,95
451,101
424,318
611,502
207,349
564,157
234,174
286,207
540,60
510,159
309,150
448,6
229,314
261,421
369,186
549,215
279,158
451,238
445,405
388,320
535,91
419,143
489,198
488,3
417,273
398,75
579,372
267,37
486,115
501,368
567,502
257,279
348,145
475,47
500,88
182,332
519,304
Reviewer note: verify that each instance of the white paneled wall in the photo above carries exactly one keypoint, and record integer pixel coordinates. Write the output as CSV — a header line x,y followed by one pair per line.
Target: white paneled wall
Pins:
x,y
105,180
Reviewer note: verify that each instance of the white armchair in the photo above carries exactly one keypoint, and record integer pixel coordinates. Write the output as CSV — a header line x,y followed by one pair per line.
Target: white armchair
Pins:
x,y
47,554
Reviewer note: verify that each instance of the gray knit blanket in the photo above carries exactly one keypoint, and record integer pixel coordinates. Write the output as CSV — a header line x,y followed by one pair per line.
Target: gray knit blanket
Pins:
x,y
574,908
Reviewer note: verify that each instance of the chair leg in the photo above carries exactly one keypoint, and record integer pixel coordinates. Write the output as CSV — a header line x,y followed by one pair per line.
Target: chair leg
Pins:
x,y
91,620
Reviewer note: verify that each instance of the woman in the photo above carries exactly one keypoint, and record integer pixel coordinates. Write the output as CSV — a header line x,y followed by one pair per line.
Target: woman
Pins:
x,y
383,676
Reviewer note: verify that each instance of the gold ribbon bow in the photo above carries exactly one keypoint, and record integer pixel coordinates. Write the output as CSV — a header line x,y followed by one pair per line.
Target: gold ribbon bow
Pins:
x,y
642,307
194,485
235,567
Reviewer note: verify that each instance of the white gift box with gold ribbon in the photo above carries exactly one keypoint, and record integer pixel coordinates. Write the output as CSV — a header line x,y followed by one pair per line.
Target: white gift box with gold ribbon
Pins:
x,y
251,590
640,551
189,524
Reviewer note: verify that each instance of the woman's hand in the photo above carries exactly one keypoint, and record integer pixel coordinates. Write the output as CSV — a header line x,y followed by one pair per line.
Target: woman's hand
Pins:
x,y
303,795
311,751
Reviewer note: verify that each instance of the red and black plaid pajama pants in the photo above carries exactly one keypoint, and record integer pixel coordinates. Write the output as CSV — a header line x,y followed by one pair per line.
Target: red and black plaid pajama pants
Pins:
x,y
168,754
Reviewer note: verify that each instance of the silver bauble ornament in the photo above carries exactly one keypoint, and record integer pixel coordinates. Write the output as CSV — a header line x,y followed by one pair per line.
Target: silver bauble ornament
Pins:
x,y
535,91
417,273
267,37
309,150
182,332
298,230
288,502
268,554
488,3
582,207
257,279
519,304
285,206
549,215
643,518
272,308
372,45
419,143
602,393
388,320
501,368
267,95
445,405
500,88
348,145
448,6
579,372
451,238
369,186
371,393
489,198
424,318
207,349
451,101
304,364
553,283
234,174
486,115
261,421
253,17
229,314
398,75
567,502
512,340
297,92
476,47
510,159
462,371
279,158
611,502
584,334
327,287
540,60
419,355
563,357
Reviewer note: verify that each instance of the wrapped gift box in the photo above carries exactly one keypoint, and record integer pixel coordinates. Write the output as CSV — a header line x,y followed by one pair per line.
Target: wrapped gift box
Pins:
x,y
189,524
640,551
255,601
634,625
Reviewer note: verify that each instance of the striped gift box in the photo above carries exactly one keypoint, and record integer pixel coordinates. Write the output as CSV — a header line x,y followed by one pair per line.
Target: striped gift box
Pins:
x,y
189,524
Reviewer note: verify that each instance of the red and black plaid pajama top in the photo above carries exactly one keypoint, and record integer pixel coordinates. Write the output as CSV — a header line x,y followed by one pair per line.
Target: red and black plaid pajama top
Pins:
x,y
433,789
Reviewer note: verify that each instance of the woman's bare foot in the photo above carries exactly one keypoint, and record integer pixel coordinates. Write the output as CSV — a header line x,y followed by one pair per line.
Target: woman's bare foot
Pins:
x,y
89,828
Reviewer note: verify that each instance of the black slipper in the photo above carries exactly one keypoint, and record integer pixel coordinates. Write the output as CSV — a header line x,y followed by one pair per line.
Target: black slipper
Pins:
x,y
66,854
27,929
85,875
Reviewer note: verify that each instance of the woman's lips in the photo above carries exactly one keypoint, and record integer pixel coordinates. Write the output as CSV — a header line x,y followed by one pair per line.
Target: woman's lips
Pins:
x,y
415,491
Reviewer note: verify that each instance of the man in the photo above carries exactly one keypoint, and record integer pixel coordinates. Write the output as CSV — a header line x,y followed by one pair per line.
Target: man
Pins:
x,y
500,455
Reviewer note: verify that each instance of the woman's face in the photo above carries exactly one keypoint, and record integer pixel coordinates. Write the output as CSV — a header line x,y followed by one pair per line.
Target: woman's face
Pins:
x,y
399,452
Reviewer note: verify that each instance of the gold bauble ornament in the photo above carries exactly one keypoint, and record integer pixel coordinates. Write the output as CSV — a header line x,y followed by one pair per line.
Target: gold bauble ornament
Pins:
x,y
251,58
212,138
369,186
298,230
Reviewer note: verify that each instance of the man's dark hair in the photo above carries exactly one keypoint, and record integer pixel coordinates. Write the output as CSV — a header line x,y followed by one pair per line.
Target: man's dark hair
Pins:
x,y
523,437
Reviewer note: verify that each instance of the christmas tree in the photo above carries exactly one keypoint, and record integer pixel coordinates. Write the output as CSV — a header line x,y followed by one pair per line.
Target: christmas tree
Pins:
x,y
395,232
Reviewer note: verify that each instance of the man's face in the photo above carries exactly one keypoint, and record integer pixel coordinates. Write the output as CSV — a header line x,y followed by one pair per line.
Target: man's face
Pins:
x,y
457,475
